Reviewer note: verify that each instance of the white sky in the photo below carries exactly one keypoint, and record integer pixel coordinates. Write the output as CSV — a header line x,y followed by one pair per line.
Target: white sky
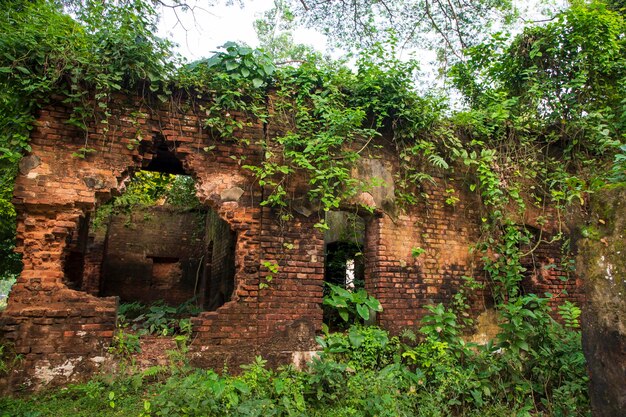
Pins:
x,y
208,27
216,25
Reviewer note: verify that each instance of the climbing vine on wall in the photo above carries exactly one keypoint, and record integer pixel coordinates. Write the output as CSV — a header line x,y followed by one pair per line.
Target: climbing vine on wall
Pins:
x,y
105,48
542,126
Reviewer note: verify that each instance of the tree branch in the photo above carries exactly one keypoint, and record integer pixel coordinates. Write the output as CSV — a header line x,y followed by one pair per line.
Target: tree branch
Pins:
x,y
436,27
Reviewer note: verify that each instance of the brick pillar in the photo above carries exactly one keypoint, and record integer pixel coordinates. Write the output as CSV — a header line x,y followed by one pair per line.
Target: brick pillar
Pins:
x,y
290,310
55,329
42,240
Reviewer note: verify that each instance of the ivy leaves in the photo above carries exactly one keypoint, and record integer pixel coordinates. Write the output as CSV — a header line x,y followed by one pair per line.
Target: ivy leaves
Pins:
x,y
233,80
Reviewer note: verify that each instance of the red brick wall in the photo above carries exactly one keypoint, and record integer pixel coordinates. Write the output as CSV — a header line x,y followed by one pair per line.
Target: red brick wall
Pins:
x,y
404,283
153,254
51,324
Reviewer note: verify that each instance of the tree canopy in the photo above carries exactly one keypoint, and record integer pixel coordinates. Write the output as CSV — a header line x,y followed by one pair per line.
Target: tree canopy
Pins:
x,y
448,26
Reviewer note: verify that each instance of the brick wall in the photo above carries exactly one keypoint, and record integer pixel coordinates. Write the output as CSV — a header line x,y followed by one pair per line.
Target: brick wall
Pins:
x,y
404,283
153,254
273,314
548,272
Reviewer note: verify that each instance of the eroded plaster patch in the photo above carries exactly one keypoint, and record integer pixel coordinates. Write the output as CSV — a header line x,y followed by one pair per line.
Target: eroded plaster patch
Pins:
x,y
299,359
46,373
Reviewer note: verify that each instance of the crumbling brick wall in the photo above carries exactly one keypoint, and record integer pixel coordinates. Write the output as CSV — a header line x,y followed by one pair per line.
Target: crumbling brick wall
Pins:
x,y
405,283
273,313
153,254
55,189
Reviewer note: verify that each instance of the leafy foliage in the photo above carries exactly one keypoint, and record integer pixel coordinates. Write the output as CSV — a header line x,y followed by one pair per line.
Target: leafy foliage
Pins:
x,y
364,372
351,306
147,189
157,318
106,48
562,82
274,30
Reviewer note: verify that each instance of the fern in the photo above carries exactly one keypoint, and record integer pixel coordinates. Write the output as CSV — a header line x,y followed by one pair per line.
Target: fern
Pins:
x,y
438,161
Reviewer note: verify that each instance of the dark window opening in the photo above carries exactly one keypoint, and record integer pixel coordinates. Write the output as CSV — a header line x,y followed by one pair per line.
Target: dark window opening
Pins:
x,y
219,279
344,264
532,263
74,265
164,158
163,259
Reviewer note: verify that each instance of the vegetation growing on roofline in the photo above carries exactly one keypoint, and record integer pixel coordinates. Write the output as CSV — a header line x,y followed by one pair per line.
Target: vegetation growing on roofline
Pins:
x,y
543,125
543,122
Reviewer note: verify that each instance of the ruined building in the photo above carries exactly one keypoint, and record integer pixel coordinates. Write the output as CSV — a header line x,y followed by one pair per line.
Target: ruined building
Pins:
x,y
61,313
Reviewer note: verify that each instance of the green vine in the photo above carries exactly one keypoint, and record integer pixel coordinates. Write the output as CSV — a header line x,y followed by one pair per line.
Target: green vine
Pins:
x,y
530,137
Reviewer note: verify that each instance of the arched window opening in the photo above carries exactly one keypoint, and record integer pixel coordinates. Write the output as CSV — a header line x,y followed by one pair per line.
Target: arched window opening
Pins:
x,y
155,244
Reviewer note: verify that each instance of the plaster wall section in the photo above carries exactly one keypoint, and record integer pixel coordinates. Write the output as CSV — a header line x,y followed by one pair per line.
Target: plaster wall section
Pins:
x,y
601,244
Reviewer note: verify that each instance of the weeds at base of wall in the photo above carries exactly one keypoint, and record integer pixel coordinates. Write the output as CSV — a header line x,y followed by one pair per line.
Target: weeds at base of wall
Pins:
x,y
8,359
361,372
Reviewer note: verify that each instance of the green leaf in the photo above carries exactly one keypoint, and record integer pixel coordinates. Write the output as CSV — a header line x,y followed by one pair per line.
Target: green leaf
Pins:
x,y
269,69
373,304
241,386
363,311
257,82
279,385
342,292
344,314
231,65
335,302
356,337
218,388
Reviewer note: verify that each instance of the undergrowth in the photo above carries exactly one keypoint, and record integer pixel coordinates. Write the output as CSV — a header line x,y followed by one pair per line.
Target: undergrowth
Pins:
x,y
364,371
